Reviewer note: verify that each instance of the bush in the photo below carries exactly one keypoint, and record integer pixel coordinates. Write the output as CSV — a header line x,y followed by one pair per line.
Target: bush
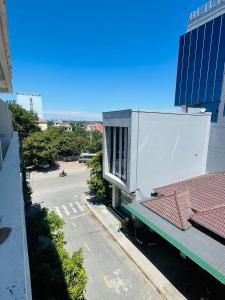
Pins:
x,y
98,186
54,273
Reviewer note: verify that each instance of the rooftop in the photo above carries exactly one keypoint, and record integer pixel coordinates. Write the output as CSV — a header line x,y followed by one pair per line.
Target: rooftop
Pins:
x,y
200,247
203,195
205,13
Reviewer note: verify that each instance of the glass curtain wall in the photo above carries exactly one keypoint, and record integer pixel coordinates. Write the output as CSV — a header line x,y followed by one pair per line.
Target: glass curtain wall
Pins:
x,y
117,142
200,68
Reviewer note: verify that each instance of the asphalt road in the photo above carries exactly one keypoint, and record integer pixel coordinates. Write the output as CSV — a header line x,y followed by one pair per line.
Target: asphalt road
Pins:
x,y
111,273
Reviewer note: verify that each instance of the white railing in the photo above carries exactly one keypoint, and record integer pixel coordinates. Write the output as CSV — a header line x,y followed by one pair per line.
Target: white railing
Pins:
x,y
205,9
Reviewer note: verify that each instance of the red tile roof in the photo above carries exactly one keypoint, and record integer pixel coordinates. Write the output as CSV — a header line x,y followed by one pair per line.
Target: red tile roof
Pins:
x,y
175,208
203,203
206,191
213,219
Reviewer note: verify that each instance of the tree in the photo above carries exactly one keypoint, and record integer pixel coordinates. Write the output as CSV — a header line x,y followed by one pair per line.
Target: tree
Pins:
x,y
55,274
68,144
95,141
40,147
23,120
98,186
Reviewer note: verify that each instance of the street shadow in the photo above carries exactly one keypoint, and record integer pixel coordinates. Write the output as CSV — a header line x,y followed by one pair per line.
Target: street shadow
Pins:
x,y
96,201
47,277
191,280
53,168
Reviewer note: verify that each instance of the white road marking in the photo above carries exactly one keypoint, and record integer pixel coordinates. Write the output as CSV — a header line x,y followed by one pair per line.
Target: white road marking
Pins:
x,y
107,282
86,246
73,209
80,207
79,216
58,211
66,210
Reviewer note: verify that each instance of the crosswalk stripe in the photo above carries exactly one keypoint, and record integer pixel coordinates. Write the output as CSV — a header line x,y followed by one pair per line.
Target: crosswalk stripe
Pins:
x,y
58,211
80,207
66,210
73,209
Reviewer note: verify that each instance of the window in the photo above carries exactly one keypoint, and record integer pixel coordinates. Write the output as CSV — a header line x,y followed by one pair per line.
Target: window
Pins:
x,y
117,144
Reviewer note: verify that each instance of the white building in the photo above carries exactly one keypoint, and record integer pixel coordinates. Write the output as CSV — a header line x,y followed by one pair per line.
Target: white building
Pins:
x,y
14,264
143,150
64,125
31,102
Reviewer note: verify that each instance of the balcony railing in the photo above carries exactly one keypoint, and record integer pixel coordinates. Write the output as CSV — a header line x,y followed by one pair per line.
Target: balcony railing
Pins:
x,y
201,11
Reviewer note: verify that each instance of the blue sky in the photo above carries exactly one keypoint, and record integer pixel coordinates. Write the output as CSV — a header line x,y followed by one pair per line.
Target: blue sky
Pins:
x,y
89,56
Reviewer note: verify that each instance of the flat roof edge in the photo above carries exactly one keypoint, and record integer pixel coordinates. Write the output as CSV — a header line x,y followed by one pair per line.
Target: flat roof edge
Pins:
x,y
204,265
158,112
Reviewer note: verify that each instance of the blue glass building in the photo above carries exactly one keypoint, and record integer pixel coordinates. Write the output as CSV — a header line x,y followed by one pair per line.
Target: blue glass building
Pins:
x,y
201,60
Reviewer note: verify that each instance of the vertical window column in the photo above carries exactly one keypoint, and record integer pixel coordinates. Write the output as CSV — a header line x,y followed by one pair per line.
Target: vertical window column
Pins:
x,y
120,152
125,152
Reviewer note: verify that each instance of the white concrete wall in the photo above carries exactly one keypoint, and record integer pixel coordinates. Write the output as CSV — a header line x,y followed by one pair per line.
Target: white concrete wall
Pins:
x,y
14,265
5,126
162,148
170,148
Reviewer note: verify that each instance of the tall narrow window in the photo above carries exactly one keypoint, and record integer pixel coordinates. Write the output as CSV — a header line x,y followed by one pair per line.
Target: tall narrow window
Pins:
x,y
111,145
117,145
117,149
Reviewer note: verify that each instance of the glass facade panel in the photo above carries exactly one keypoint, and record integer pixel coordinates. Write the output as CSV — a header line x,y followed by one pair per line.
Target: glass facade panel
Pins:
x,y
213,59
205,62
111,145
198,63
117,149
117,143
191,67
200,68
179,70
220,64
185,67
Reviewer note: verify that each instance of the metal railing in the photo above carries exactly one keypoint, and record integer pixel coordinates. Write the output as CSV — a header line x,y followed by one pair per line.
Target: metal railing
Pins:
x,y
210,5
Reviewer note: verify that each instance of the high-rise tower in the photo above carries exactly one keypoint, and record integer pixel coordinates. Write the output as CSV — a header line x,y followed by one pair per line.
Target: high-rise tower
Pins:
x,y
200,71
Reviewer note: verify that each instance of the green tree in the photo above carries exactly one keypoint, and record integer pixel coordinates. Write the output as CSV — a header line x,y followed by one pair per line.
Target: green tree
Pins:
x,y
68,144
95,141
40,147
23,120
98,186
54,273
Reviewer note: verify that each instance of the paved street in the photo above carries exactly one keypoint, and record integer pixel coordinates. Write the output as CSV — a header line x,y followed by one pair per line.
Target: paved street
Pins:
x,y
111,274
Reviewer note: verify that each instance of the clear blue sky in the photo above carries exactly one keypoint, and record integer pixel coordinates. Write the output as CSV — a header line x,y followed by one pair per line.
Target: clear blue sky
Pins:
x,y
90,56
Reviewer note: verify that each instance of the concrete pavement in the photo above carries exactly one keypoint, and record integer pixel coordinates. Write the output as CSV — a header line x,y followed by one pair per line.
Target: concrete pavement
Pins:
x,y
160,282
112,274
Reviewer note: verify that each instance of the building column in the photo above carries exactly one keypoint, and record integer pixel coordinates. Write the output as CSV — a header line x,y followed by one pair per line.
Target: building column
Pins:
x,y
115,196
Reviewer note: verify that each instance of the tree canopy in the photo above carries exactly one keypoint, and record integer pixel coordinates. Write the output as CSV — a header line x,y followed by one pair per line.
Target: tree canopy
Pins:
x,y
98,186
40,147
45,146
23,120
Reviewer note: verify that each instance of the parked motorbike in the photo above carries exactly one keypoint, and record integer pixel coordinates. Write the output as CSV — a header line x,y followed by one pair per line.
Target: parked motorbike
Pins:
x,y
62,174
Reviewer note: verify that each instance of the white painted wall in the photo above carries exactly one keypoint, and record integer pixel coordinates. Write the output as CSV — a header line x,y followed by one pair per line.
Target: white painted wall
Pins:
x,y
163,148
5,126
14,270
170,148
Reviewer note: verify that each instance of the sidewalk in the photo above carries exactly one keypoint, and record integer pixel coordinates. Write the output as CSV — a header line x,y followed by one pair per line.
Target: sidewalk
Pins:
x,y
164,288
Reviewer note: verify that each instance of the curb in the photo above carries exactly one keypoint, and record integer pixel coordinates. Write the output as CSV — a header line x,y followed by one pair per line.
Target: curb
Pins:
x,y
159,282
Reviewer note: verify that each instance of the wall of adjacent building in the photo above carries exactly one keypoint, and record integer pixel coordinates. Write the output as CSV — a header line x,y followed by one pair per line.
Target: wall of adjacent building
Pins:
x,y
5,127
163,148
14,271
168,148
